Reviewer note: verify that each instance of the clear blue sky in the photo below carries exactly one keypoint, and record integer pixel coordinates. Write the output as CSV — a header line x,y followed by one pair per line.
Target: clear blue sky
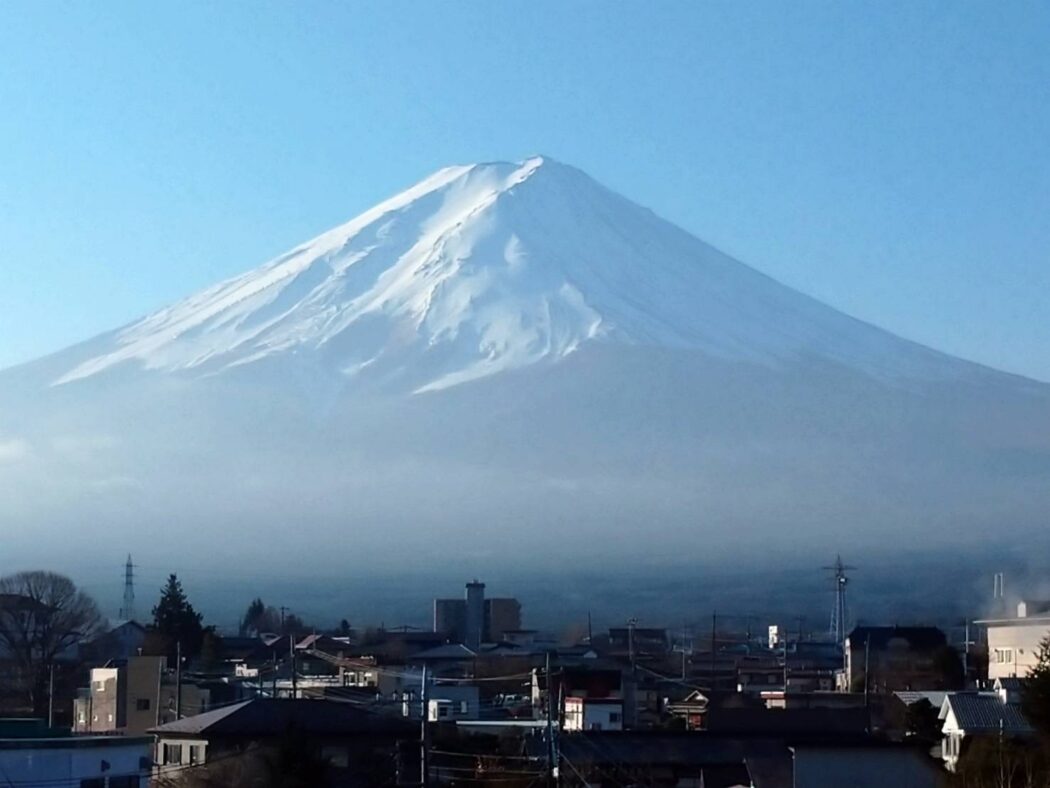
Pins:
x,y
889,158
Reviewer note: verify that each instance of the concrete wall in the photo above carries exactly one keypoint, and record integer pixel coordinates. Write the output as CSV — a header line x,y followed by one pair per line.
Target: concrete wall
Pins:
x,y
144,675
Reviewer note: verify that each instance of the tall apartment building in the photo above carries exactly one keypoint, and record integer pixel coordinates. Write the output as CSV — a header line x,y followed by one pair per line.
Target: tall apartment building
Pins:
x,y
501,615
475,619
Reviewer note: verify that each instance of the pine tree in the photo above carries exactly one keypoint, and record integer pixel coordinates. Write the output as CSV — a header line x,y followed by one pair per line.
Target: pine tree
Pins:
x,y
1035,691
176,620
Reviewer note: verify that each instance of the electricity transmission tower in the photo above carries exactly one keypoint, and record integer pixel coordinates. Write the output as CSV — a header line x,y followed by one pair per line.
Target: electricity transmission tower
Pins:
x,y
127,610
839,611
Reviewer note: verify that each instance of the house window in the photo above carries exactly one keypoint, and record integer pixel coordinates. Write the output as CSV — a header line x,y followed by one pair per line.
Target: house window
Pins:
x,y
142,704
172,753
463,707
1004,656
196,753
614,717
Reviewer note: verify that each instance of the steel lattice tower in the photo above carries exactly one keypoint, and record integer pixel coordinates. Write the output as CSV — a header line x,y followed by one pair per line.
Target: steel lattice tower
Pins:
x,y
127,610
839,611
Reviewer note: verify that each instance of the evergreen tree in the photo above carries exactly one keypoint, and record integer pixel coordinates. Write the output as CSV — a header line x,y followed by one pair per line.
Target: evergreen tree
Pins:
x,y
260,618
1035,691
253,616
175,619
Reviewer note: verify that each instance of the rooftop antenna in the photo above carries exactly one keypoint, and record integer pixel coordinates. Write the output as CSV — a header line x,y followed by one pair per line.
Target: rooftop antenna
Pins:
x,y
997,586
839,612
127,610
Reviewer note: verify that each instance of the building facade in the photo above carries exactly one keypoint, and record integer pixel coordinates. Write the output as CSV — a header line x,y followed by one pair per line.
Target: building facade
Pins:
x,y
1013,642
134,695
475,619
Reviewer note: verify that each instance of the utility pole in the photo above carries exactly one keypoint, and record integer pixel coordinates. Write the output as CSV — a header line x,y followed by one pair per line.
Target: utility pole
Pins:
x,y
631,622
714,644
178,679
867,655
424,744
291,654
966,654
785,669
51,697
552,766
683,651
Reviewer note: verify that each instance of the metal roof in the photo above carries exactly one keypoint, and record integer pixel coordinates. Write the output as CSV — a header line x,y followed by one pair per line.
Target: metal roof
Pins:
x,y
979,712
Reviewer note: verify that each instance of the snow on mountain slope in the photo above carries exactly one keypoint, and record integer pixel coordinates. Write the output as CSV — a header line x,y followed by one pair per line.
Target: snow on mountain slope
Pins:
x,y
490,267
634,397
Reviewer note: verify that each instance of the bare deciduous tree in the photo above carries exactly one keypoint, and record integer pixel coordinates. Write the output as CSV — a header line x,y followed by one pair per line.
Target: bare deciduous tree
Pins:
x,y
42,616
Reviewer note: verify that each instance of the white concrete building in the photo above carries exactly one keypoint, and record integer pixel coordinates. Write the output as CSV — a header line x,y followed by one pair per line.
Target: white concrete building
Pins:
x,y
593,714
1013,643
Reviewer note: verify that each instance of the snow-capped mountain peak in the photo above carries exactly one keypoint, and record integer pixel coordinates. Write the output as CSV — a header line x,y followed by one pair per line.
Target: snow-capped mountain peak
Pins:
x,y
488,267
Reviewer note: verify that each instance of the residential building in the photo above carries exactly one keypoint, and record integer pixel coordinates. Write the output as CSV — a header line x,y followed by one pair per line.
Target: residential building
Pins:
x,y
592,714
358,744
31,754
121,641
966,716
1013,642
130,696
692,710
448,702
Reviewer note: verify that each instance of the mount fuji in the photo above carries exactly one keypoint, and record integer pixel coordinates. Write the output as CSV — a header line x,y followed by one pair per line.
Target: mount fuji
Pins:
x,y
507,355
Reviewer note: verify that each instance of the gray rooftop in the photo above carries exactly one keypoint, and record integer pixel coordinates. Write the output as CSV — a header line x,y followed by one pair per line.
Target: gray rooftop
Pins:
x,y
275,717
